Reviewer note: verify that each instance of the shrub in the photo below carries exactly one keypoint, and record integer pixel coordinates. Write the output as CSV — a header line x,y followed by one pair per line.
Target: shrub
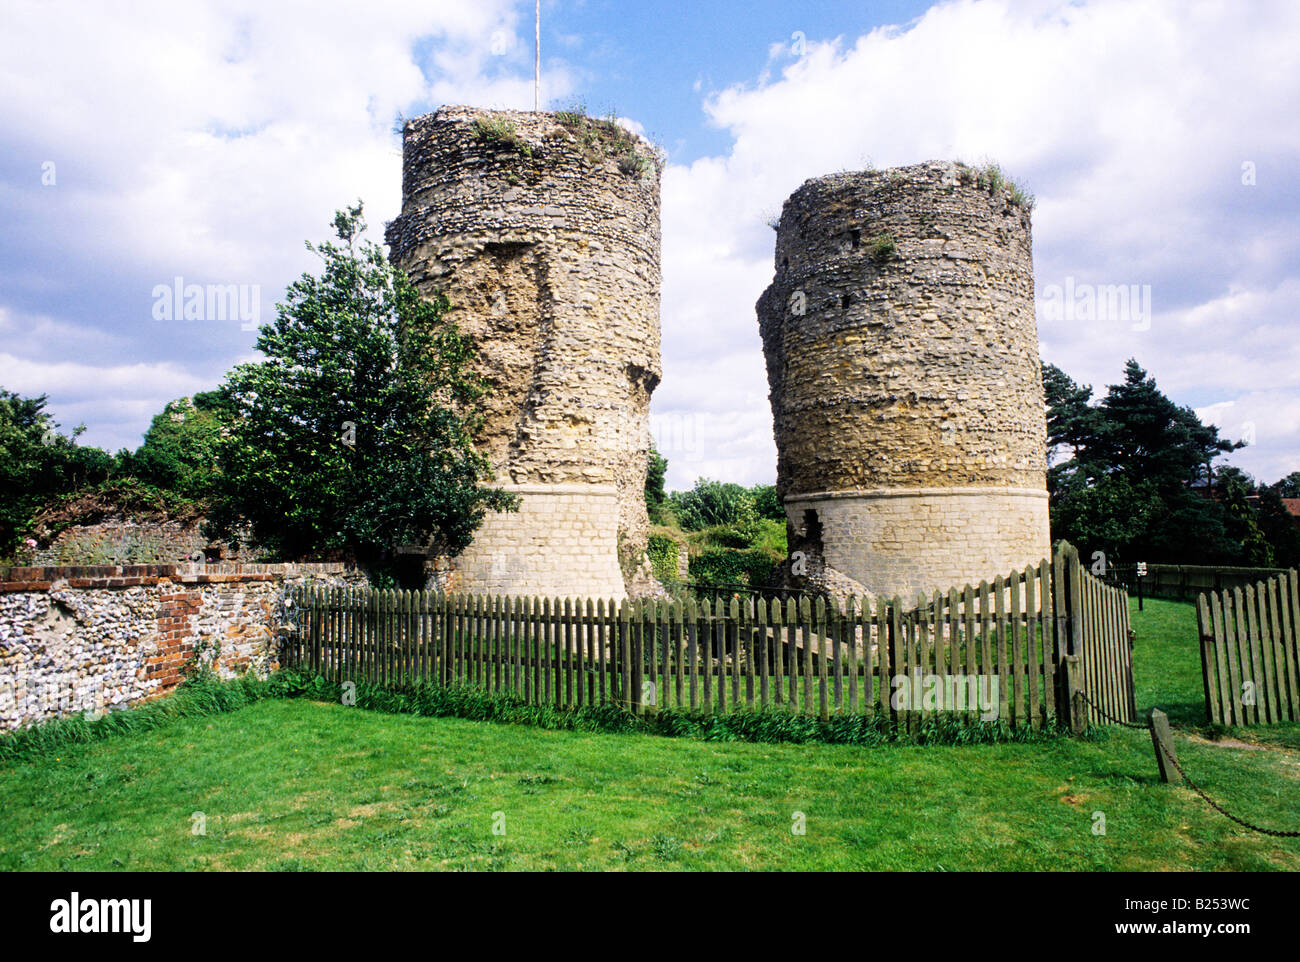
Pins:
x,y
722,567
712,503
771,537
767,502
502,131
607,138
1021,197
992,179
725,536
663,552
655,498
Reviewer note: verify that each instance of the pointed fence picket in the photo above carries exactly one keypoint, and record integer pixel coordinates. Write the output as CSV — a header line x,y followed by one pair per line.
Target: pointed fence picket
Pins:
x,y
993,651
1250,651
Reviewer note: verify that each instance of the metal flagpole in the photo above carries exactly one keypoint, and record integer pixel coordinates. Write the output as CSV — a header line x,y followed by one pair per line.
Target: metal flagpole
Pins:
x,y
537,70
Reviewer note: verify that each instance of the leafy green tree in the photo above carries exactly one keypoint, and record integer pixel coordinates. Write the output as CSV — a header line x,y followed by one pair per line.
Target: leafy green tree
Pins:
x,y
1074,425
1279,528
1150,437
723,568
1243,526
1110,515
1126,472
180,448
655,498
1288,487
355,435
767,502
39,465
1227,474
712,503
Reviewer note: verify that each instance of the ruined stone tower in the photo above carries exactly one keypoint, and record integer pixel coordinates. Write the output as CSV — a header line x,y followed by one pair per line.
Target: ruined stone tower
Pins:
x,y
907,399
542,230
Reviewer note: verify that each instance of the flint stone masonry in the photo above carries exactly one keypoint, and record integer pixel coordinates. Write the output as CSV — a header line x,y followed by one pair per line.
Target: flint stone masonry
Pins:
x,y
547,250
906,389
95,638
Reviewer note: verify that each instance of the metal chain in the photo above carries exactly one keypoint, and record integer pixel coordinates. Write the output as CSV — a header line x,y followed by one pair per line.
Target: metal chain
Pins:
x,y
1107,715
1276,833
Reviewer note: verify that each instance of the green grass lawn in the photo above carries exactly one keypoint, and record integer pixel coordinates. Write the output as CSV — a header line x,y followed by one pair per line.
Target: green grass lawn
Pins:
x,y
1167,660
294,784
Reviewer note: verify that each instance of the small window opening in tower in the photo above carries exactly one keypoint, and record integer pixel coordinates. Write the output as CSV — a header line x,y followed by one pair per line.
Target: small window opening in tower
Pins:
x,y
812,530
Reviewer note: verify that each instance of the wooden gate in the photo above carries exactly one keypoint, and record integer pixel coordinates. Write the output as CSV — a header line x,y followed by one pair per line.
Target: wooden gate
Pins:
x,y
1101,640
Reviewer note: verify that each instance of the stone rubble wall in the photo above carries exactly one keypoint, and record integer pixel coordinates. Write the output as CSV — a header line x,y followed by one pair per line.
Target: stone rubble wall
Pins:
x,y
93,638
902,359
547,249
129,542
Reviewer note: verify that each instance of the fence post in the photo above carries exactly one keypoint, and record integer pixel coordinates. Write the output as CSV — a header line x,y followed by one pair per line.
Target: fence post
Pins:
x,y
1074,596
624,657
1205,624
638,656
1074,695
1163,741
1061,631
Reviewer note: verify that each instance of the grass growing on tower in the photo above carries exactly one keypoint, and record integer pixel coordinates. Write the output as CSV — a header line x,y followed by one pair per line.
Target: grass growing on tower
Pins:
x,y
501,130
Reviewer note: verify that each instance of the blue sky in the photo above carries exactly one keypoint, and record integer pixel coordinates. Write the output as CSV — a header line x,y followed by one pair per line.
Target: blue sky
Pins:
x,y
208,140
655,62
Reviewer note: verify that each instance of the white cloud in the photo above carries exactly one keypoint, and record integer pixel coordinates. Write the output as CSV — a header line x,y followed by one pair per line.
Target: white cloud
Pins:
x,y
1129,121
115,399
1269,421
208,139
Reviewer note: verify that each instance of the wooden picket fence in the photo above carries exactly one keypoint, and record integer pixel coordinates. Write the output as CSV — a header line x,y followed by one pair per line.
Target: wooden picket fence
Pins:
x,y
1184,582
1250,651
1010,650
1106,649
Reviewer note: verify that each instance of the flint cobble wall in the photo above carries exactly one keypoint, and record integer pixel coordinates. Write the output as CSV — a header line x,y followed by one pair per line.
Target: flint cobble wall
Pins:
x,y
94,638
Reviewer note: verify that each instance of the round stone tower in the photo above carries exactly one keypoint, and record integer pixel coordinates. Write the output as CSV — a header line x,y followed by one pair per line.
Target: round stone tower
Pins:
x,y
906,388
542,230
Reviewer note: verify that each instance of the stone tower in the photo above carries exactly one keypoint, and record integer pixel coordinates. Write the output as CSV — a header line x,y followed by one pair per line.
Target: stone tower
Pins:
x,y
906,389
542,230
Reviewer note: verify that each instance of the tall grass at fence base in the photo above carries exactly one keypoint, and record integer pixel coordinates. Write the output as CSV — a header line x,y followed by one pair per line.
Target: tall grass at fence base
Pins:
x,y
198,696
205,695
770,725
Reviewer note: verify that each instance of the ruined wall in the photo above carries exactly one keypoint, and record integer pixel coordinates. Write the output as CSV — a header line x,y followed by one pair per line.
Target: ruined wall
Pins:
x,y
544,237
902,362
95,638
120,542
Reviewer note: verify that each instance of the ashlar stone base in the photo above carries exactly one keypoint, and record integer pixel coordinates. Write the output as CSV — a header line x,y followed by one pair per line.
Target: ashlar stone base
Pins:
x,y
562,542
911,540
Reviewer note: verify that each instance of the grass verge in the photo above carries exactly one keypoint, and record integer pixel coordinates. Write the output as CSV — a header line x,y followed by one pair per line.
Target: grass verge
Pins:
x,y
290,783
